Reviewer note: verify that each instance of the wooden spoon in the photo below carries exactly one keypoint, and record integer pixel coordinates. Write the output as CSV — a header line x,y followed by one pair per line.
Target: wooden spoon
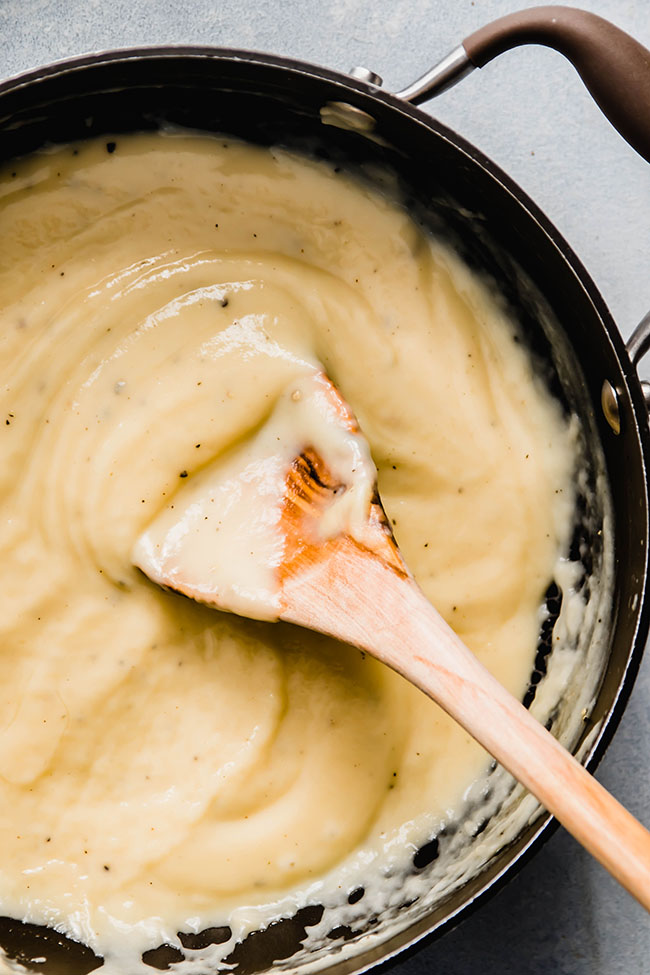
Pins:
x,y
355,586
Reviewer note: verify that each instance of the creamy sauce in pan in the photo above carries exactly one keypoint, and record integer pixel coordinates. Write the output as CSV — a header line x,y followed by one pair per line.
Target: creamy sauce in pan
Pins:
x,y
164,767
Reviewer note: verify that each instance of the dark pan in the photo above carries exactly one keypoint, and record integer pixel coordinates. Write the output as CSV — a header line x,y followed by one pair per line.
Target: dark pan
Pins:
x,y
462,197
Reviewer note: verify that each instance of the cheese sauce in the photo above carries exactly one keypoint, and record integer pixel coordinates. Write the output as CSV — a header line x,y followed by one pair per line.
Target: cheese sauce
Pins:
x,y
165,767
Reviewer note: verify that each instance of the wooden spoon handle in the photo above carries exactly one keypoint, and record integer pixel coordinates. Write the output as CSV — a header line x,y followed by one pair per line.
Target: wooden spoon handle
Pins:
x,y
446,670
367,603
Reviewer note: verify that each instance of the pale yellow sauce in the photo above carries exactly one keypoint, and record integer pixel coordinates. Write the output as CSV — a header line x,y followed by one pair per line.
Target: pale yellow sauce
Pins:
x,y
164,766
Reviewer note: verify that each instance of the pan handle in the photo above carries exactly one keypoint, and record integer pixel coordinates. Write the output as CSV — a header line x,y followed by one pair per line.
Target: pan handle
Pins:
x,y
637,346
614,67
639,342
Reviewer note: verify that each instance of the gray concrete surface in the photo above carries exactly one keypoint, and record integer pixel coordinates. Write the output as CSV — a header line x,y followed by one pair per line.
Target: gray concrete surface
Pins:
x,y
529,112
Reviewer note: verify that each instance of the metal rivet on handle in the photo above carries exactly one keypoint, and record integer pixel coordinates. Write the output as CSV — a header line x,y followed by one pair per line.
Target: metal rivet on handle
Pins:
x,y
365,74
609,403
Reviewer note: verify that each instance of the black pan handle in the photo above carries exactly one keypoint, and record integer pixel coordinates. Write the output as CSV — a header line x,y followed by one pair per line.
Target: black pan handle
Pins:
x,y
614,67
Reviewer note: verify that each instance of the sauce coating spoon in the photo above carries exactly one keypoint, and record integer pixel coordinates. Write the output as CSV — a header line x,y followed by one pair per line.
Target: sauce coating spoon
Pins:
x,y
305,528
